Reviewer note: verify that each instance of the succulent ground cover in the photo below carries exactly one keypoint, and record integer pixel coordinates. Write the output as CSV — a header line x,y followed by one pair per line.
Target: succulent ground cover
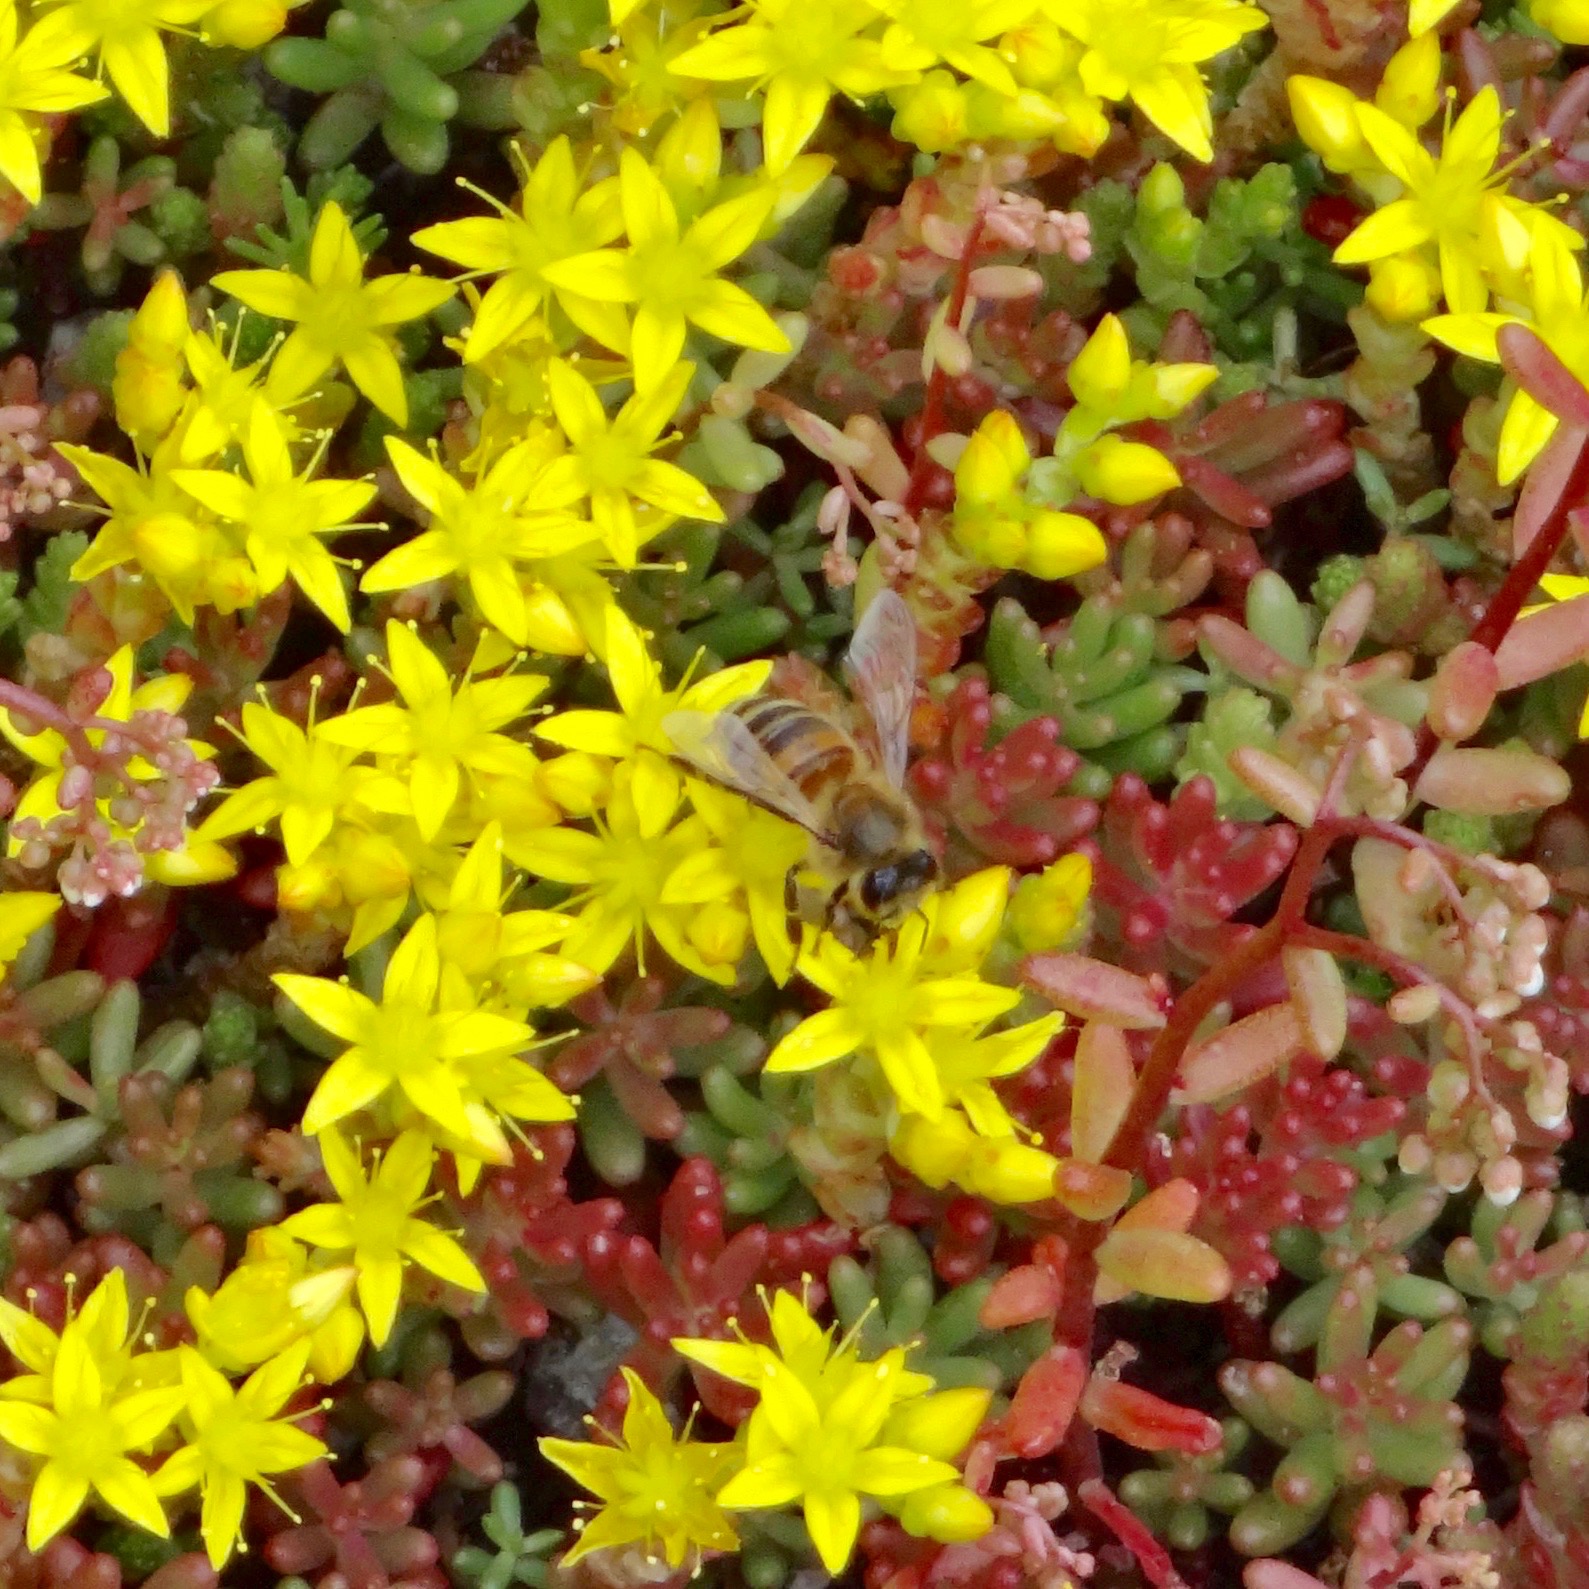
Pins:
x,y
486,487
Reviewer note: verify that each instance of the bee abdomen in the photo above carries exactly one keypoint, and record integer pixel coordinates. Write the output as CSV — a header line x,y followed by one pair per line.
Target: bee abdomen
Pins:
x,y
808,749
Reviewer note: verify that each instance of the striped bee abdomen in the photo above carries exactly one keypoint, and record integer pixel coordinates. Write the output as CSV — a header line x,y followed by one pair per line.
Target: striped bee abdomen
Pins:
x,y
809,750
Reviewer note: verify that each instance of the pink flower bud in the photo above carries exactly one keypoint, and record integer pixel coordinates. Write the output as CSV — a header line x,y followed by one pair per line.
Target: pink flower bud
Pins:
x,y
825,440
1094,990
1542,642
1021,1295
1463,690
999,283
1290,792
1100,1090
1318,996
1146,1421
1045,1402
77,785
1244,1052
1492,783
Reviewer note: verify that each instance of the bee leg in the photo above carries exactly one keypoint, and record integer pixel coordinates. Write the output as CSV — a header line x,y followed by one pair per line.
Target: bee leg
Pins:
x,y
835,903
791,891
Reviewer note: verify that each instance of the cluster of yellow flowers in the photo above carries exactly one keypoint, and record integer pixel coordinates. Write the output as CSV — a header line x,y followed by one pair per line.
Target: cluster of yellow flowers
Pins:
x,y
38,74
224,537
94,1395
915,1007
1444,228
418,810
829,1429
1011,513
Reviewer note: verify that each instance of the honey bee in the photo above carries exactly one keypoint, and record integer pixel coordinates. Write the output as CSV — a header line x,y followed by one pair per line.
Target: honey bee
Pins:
x,y
800,763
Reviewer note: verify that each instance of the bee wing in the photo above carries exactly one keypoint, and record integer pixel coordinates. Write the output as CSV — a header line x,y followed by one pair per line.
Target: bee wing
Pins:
x,y
719,745
881,668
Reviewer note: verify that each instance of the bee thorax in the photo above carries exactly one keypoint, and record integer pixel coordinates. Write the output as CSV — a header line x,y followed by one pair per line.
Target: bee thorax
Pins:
x,y
869,829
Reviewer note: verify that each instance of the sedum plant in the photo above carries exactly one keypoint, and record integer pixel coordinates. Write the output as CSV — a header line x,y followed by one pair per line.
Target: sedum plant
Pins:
x,y
794,798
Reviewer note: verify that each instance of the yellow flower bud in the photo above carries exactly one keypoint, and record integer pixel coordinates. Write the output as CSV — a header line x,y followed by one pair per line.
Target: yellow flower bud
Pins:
x,y
161,323
1048,904
1568,20
939,1425
1087,125
994,539
372,866
949,1513
244,24
1009,1171
311,885
994,460
1038,54
271,1300
1062,544
1100,373
231,584
149,383
968,916
931,114
1124,472
148,394
720,932
1410,88
1326,116
1028,114
1002,1169
691,151
1403,287
1506,243
550,625
168,545
578,781
470,940
334,1347
545,980
1173,386
195,863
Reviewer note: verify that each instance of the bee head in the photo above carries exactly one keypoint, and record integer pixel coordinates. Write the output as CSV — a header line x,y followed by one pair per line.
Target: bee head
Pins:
x,y
885,889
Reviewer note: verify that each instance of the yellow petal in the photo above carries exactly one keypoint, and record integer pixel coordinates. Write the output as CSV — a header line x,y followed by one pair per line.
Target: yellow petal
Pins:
x,y
56,1498
1524,432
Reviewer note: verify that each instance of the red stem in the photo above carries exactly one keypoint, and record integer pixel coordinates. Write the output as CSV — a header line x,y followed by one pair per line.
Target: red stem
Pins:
x,y
36,708
1075,1323
932,419
1158,1074
1347,946
1124,1524
45,713
1516,588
